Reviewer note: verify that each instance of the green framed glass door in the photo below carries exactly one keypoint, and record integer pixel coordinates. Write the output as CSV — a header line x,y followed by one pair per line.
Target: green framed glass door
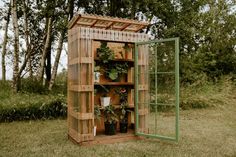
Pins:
x,y
157,89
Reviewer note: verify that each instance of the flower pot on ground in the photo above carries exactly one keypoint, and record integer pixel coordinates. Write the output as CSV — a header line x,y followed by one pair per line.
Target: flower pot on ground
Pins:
x,y
110,120
123,117
110,128
123,126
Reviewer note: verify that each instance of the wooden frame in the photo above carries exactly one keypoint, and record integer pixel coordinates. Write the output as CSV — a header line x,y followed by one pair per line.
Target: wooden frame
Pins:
x,y
102,22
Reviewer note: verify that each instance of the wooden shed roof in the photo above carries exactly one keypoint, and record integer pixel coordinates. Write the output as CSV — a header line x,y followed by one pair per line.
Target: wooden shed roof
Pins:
x,y
106,22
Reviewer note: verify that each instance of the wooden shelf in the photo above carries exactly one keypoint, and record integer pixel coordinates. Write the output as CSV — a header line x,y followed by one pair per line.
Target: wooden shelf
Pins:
x,y
115,84
106,139
116,106
118,60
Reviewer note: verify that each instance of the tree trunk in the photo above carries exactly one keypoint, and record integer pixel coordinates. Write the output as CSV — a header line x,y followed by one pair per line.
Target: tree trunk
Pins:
x,y
27,40
48,65
45,49
16,79
4,44
57,59
60,44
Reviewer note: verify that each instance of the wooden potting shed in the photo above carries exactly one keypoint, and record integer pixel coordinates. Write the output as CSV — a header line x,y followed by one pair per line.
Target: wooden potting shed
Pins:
x,y
85,35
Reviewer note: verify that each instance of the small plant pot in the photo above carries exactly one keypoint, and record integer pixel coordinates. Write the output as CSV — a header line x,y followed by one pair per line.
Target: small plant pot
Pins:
x,y
132,126
110,128
123,127
94,130
97,77
105,101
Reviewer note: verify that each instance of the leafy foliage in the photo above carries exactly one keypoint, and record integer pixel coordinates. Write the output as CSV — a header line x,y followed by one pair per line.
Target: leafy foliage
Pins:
x,y
30,111
116,69
104,53
109,114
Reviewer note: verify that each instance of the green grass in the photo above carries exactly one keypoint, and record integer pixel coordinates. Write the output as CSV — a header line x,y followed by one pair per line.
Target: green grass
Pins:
x,y
203,132
209,131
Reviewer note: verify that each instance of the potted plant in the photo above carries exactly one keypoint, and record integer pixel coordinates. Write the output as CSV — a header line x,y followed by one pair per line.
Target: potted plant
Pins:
x,y
97,74
104,53
124,117
123,94
97,115
117,70
110,120
105,99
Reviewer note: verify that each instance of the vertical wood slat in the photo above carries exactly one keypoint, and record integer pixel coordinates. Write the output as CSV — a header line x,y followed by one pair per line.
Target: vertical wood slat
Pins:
x,y
143,83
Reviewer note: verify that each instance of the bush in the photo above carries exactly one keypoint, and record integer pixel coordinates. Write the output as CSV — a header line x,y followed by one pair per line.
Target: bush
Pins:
x,y
202,94
36,110
32,85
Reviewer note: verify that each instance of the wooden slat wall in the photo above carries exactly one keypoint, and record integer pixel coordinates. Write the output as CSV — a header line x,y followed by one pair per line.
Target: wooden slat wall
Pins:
x,y
143,87
80,85
80,76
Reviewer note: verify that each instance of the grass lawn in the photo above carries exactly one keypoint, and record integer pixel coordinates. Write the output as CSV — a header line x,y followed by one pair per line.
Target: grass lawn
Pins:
x,y
204,132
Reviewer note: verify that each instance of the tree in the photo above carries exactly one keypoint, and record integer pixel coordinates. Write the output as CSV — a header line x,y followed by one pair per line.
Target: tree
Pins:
x,y
4,44
16,80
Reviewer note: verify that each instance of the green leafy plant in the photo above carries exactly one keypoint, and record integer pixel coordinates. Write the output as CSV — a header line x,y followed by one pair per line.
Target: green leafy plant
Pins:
x,y
105,90
123,94
123,112
109,114
97,113
104,53
96,68
117,69
113,74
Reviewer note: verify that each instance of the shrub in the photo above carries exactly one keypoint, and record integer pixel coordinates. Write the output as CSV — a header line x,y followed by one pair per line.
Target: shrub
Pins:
x,y
31,111
32,85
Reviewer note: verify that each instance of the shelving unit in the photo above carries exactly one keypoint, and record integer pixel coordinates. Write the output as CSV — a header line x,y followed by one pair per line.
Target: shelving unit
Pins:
x,y
86,32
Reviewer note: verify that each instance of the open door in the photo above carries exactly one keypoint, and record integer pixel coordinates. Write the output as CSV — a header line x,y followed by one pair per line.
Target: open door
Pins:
x,y
157,89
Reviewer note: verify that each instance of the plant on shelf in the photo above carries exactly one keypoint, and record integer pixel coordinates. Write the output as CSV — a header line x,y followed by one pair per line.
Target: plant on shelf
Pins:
x,y
97,73
97,116
123,94
105,99
117,70
110,120
104,53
